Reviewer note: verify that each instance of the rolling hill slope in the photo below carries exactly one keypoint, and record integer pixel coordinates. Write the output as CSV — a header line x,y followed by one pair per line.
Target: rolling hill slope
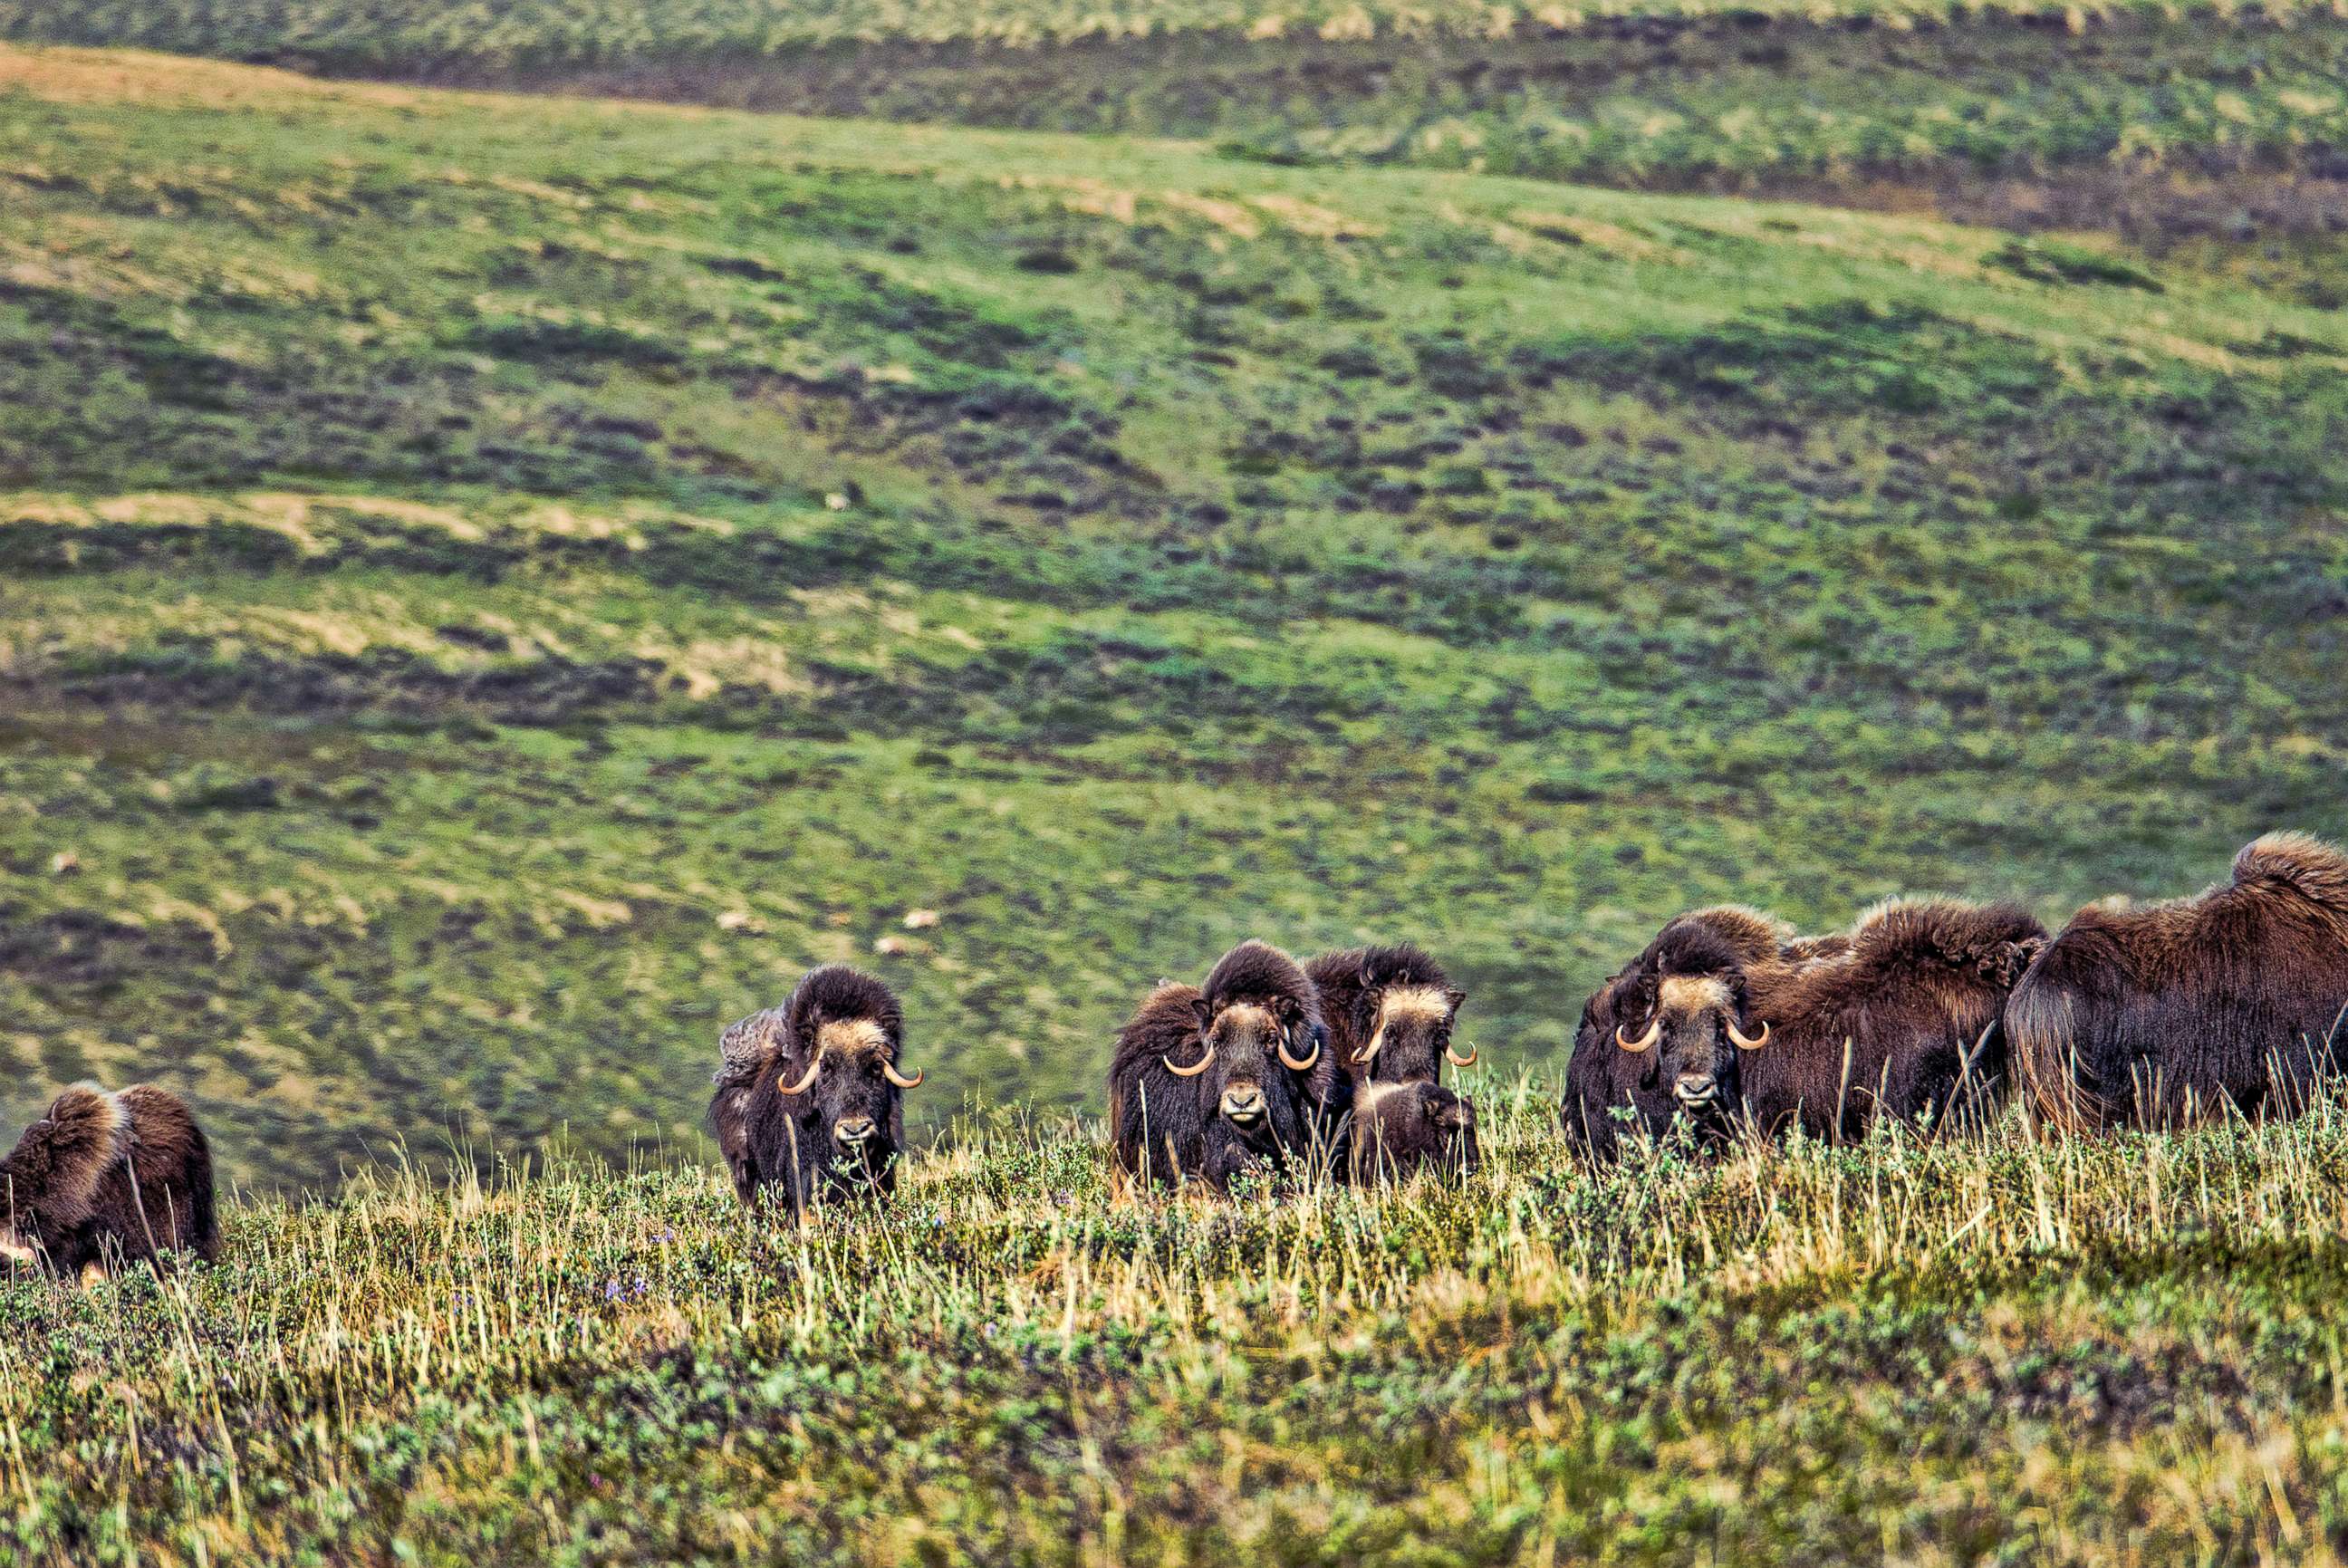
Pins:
x,y
494,586
2163,121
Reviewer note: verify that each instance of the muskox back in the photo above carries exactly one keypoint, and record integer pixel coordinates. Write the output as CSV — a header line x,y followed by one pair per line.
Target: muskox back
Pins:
x,y
807,1100
2159,1013
108,1179
1901,1022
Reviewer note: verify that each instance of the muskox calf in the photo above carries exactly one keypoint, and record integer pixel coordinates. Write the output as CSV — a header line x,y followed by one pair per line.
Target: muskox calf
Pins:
x,y
103,1180
1728,1019
2159,1013
809,1102
1402,1128
1206,1083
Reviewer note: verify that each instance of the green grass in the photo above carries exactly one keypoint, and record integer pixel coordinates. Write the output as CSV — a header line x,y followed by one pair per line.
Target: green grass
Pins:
x,y
492,597
2123,1352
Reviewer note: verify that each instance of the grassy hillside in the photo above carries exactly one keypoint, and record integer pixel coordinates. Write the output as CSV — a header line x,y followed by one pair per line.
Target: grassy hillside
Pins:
x,y
2052,1353
495,587
2167,121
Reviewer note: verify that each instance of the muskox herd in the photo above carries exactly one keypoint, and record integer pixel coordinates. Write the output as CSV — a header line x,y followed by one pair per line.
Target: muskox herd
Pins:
x,y
1728,1023
1269,1068
2232,1001
1273,1066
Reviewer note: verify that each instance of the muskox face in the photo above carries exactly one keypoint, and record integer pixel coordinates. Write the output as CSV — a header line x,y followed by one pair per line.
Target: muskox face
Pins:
x,y
1409,1033
1687,1030
1245,1045
850,1093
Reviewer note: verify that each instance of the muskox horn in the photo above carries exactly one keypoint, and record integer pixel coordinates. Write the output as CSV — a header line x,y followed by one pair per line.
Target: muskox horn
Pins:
x,y
1367,1052
1755,1043
1457,1060
889,1070
1192,1071
1291,1063
814,1068
1654,1031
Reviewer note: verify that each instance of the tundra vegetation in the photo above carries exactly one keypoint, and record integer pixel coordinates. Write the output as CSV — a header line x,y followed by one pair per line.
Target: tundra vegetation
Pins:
x,y
491,589
2114,1350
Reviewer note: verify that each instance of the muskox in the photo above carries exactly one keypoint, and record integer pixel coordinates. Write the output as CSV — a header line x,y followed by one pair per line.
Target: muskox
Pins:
x,y
808,1100
2157,1014
1207,1082
103,1180
1401,1129
1390,1011
1615,1082
1729,1019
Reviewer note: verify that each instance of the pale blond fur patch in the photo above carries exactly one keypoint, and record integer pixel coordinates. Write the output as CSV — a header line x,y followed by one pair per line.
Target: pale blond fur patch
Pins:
x,y
1246,1015
852,1036
1414,1002
14,1251
1375,1092
1692,994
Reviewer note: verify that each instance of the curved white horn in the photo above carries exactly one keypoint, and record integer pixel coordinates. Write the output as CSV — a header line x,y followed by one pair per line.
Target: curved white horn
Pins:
x,y
1377,1039
1457,1060
814,1068
1654,1032
1291,1063
1756,1042
1191,1071
889,1070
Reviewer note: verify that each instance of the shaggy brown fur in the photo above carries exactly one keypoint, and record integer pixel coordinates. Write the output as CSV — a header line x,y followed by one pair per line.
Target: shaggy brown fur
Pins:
x,y
1902,1022
844,1133
108,1179
1400,1129
2157,1014
1396,997
1915,988
1246,1110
